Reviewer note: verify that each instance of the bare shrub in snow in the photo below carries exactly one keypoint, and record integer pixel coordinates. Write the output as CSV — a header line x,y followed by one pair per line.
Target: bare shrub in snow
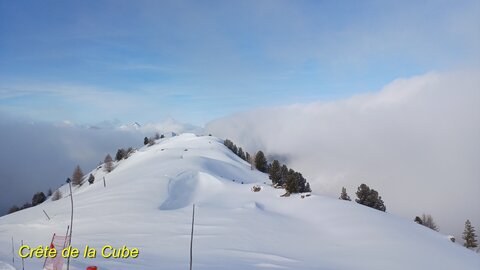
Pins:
x,y
427,221
57,195
108,163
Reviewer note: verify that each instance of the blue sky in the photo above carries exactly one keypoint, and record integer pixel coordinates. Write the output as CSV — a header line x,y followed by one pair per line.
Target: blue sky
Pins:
x,y
88,61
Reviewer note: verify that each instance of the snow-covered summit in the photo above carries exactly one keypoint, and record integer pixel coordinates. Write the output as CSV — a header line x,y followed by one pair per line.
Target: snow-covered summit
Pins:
x,y
147,204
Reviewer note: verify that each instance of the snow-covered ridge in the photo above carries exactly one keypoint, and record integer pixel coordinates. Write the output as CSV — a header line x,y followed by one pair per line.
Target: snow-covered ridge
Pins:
x,y
147,204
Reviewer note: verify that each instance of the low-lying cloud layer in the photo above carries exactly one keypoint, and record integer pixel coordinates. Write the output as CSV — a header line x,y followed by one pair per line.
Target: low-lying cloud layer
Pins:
x,y
38,156
416,141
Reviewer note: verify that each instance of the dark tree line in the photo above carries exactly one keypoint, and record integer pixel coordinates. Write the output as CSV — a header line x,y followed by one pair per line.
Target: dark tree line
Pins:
x,y
151,141
237,150
365,196
281,175
369,197
37,199
124,153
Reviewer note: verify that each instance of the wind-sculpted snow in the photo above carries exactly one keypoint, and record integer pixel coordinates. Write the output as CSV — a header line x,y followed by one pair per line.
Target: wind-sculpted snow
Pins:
x,y
147,204
190,186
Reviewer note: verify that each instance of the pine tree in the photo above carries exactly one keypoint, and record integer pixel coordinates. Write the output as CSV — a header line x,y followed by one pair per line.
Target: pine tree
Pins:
x,y
274,172
157,136
469,235
301,183
369,197
162,136
108,163
290,182
49,192
145,141
38,198
91,179
77,176
344,196
283,175
240,153
247,157
307,188
235,149
418,220
261,162
121,154
228,144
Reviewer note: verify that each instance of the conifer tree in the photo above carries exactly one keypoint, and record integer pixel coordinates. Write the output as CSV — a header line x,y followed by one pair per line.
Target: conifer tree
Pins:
x,y
275,172
235,149
290,183
296,183
91,179
247,157
418,220
228,144
77,176
369,197
301,183
145,141
283,175
121,154
261,162
307,188
240,153
38,198
344,196
469,235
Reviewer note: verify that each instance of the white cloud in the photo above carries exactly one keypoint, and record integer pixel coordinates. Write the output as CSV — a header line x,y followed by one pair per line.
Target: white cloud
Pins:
x,y
36,156
415,141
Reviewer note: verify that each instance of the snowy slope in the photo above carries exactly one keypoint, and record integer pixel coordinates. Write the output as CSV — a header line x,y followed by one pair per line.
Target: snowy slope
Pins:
x,y
147,205
6,266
